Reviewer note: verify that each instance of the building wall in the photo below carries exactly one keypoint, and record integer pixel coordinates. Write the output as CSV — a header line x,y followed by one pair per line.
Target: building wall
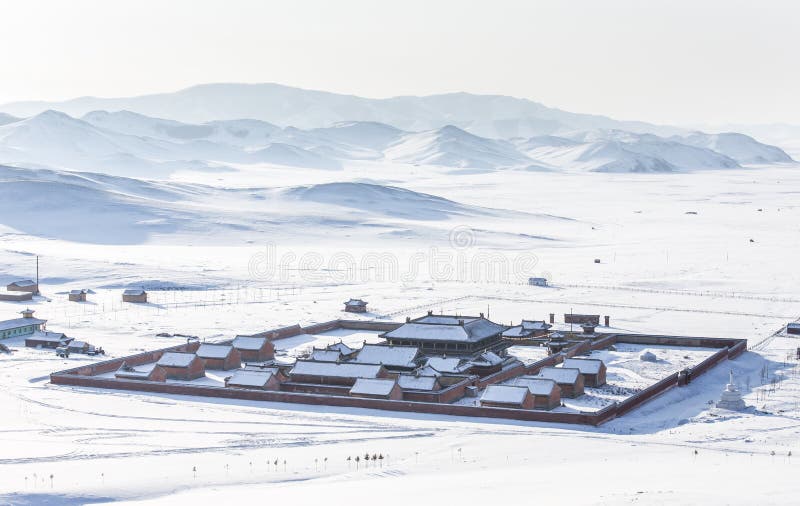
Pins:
x,y
30,289
20,331
195,370
16,296
548,402
267,352
134,298
77,297
232,361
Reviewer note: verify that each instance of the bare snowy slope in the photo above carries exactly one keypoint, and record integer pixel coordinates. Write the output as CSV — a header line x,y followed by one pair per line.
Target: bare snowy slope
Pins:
x,y
740,147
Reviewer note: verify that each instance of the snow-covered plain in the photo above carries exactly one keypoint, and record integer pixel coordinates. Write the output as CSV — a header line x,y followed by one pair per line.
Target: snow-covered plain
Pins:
x,y
426,217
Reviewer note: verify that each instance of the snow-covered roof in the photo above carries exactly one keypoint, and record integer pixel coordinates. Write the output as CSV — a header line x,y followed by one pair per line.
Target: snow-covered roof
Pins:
x,y
250,378
337,370
536,385
134,291
560,374
79,291
416,382
488,358
535,325
447,364
325,356
447,328
505,394
20,322
176,359
126,371
585,365
341,348
255,367
526,328
428,371
48,336
356,302
249,343
23,283
214,350
78,344
382,387
393,356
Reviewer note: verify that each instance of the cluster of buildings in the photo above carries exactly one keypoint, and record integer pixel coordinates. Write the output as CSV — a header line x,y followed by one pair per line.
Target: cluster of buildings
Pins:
x,y
36,335
435,358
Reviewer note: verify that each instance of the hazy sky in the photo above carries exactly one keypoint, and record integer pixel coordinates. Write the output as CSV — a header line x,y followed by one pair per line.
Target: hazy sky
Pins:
x,y
662,61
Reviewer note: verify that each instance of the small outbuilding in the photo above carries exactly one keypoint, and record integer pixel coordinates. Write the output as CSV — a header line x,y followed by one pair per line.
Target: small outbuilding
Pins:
x,y
51,340
221,357
249,378
506,396
151,372
570,381
182,366
537,281
24,285
135,295
546,393
355,306
418,382
377,389
593,370
254,349
78,295
793,329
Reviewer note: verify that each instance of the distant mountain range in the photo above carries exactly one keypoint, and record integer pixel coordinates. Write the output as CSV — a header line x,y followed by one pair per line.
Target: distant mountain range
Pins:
x,y
491,116
307,129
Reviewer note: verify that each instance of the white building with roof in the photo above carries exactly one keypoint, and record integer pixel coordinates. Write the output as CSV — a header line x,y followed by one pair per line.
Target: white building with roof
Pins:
x,y
568,379
376,389
21,327
507,396
393,357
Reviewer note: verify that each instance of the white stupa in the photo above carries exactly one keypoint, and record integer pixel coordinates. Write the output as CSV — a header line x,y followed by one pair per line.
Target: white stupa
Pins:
x,y
731,398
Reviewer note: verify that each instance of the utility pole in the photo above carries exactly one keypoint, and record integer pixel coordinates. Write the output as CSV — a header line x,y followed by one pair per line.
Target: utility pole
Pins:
x,y
37,274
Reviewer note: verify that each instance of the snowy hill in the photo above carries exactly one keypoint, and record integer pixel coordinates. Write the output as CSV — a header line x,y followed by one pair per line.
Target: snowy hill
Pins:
x,y
486,115
245,132
383,200
740,147
452,147
7,118
619,151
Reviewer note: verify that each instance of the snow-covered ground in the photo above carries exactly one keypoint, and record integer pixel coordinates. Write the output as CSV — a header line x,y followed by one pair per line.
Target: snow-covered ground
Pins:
x,y
263,246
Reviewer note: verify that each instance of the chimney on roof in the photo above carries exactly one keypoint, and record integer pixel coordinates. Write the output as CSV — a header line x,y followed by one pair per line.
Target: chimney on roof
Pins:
x,y
552,317
430,312
481,315
461,323
608,321
408,319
